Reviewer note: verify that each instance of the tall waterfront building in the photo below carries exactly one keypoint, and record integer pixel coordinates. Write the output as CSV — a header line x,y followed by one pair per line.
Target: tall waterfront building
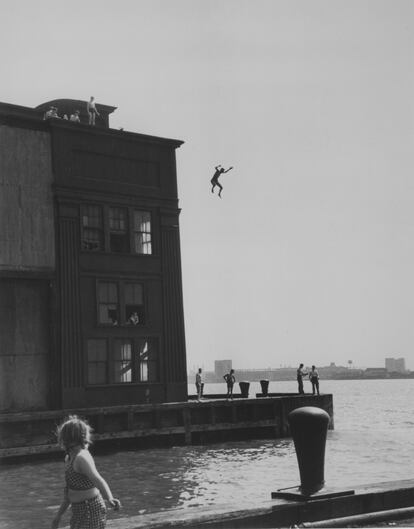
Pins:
x,y
91,309
395,365
221,367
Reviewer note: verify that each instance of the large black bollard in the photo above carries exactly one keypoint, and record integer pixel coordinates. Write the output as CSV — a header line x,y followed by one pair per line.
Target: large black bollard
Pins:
x,y
309,426
265,387
244,389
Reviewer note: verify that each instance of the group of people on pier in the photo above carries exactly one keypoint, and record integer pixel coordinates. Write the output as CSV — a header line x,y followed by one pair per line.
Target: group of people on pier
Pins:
x,y
231,380
313,377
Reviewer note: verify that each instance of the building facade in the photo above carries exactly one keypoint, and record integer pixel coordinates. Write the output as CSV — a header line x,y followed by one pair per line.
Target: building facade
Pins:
x,y
395,365
91,308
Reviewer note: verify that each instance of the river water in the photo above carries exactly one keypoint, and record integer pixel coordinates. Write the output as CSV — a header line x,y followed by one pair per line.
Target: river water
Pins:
x,y
373,441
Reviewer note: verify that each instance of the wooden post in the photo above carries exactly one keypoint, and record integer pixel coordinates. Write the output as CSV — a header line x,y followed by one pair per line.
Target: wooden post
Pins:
x,y
130,420
212,415
187,424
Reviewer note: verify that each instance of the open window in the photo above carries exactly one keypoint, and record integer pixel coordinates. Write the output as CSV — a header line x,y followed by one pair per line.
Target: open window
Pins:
x,y
134,304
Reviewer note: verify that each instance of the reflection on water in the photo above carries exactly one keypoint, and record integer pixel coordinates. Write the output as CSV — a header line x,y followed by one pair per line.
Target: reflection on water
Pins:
x,y
155,480
373,441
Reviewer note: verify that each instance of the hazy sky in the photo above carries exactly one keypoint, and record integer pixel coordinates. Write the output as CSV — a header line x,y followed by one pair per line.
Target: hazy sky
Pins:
x,y
309,255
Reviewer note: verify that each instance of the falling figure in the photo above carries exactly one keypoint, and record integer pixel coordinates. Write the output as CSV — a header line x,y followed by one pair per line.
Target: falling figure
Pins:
x,y
214,181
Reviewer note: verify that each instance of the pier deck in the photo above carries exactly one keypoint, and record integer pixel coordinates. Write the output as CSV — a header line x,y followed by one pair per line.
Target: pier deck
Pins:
x,y
212,419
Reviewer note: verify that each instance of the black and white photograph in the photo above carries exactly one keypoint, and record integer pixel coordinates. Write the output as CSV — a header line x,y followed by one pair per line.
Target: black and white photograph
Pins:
x,y
206,264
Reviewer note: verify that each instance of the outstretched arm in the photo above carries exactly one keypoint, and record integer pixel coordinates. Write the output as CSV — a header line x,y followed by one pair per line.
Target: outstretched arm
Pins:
x,y
62,509
229,169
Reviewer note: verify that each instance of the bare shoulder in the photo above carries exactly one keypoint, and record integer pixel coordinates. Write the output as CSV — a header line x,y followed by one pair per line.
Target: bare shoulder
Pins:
x,y
84,459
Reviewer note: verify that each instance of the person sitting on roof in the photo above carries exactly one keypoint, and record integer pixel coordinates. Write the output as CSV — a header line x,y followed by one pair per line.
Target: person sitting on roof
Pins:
x,y
51,113
75,116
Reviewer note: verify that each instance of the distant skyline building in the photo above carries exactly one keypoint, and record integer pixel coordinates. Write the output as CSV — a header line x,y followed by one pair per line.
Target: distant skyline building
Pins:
x,y
395,365
221,367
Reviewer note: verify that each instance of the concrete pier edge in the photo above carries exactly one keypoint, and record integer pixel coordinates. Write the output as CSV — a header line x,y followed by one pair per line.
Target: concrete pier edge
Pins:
x,y
387,500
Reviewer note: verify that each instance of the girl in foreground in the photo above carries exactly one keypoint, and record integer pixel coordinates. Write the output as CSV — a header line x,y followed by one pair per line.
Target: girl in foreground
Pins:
x,y
84,484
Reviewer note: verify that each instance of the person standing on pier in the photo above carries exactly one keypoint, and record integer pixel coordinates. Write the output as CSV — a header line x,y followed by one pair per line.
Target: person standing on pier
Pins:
x,y
300,373
199,384
84,485
314,378
230,380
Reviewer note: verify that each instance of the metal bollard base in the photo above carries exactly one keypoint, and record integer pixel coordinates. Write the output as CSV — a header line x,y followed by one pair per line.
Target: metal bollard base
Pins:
x,y
297,494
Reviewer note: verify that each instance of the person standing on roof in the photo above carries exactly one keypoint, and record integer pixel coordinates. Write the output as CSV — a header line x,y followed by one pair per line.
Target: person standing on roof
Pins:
x,y
92,110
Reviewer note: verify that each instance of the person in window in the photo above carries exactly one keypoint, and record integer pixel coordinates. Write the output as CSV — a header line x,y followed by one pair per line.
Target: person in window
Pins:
x,y
300,373
92,110
214,181
230,381
199,384
133,319
314,378
75,117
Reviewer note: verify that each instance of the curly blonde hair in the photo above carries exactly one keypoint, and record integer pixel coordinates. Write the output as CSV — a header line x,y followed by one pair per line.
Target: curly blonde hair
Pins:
x,y
74,431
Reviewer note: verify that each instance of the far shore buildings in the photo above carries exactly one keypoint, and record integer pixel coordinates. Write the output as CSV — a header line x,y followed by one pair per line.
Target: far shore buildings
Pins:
x,y
91,309
395,368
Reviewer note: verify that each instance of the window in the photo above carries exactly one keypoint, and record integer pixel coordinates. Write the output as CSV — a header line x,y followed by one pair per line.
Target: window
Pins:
x,y
122,361
108,303
142,232
148,361
92,228
118,230
97,361
120,303
134,304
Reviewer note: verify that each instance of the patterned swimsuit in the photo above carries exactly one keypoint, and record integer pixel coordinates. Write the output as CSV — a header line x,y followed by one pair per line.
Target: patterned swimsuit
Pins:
x,y
87,514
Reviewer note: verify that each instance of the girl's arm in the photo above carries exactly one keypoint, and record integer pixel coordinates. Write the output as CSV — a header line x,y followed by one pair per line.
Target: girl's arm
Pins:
x,y
86,465
62,509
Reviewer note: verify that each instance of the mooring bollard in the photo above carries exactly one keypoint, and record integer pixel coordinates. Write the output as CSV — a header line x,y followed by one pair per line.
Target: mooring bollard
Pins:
x,y
265,387
309,426
244,389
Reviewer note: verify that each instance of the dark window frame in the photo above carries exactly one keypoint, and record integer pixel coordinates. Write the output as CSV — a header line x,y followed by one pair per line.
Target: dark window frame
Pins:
x,y
154,374
106,231
123,319
98,229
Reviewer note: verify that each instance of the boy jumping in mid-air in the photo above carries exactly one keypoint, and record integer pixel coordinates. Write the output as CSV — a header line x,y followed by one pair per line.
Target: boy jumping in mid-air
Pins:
x,y
214,181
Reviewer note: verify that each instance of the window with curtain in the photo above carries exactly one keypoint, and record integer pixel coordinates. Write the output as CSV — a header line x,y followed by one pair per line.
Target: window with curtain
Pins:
x,y
122,361
142,232
148,360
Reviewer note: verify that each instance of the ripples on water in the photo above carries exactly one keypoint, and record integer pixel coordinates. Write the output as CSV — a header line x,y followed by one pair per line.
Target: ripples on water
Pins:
x,y
373,441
